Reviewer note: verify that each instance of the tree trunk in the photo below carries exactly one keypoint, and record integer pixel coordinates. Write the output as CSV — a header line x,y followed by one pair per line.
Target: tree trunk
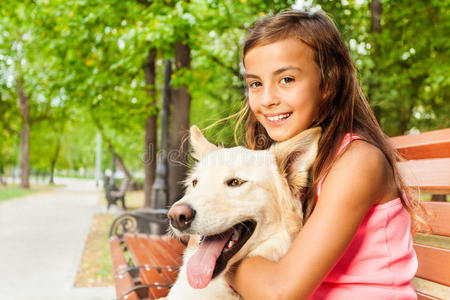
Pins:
x,y
181,100
116,156
53,162
150,142
122,166
24,106
375,12
2,170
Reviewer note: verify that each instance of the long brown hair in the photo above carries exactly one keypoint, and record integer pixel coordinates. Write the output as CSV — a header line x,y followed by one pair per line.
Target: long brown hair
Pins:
x,y
344,109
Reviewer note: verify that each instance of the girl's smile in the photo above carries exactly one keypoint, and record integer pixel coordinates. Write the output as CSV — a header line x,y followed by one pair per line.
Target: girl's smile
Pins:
x,y
277,119
283,87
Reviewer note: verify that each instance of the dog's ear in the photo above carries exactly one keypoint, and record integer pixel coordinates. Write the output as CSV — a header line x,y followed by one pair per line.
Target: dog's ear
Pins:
x,y
200,144
296,155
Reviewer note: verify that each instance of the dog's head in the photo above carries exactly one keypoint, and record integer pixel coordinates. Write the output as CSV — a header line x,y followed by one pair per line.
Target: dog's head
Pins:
x,y
237,198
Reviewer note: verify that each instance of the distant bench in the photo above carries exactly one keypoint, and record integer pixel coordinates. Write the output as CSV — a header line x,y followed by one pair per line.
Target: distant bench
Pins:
x,y
114,195
145,266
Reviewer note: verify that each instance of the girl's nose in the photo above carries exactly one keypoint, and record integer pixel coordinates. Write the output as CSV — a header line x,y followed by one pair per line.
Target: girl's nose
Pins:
x,y
270,97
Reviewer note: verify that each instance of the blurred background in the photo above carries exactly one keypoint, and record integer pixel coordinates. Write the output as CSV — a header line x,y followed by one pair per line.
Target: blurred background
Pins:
x,y
73,70
83,82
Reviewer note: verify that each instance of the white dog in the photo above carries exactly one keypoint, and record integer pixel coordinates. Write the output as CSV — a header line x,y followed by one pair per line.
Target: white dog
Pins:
x,y
238,203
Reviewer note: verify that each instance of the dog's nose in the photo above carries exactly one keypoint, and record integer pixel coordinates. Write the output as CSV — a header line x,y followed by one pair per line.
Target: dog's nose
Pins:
x,y
181,216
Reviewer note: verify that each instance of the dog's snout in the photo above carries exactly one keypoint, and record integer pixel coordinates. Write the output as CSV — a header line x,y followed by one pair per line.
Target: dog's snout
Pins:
x,y
181,216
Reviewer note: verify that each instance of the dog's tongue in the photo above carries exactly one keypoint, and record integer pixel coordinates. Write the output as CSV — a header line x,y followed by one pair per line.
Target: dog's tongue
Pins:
x,y
201,265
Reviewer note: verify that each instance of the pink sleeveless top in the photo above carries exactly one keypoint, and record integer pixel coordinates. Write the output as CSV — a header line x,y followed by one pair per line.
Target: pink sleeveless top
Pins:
x,y
380,261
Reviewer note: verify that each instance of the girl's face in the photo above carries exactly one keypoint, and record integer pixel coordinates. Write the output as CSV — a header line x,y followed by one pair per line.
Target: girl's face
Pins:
x,y
283,87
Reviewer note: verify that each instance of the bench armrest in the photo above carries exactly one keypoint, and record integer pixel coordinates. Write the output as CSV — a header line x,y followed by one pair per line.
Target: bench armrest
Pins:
x,y
153,221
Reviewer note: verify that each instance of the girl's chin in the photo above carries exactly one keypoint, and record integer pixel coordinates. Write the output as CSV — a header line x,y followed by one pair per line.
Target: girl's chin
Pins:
x,y
279,135
284,133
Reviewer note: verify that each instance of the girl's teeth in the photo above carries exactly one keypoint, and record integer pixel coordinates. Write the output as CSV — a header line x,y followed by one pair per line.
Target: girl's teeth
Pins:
x,y
277,118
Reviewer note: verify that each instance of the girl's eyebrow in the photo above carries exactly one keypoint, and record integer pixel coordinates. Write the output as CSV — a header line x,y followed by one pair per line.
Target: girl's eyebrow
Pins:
x,y
281,70
247,75
276,72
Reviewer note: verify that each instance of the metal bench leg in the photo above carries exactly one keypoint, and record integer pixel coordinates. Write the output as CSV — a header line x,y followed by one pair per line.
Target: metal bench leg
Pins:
x,y
122,199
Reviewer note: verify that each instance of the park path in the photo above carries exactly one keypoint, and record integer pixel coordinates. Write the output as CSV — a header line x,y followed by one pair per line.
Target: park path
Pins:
x,y
42,237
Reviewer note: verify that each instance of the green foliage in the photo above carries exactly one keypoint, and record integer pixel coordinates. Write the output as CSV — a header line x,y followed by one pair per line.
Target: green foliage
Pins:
x,y
407,79
413,66
82,62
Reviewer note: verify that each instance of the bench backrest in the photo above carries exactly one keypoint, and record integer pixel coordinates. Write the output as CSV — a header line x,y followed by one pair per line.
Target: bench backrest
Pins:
x,y
428,167
124,185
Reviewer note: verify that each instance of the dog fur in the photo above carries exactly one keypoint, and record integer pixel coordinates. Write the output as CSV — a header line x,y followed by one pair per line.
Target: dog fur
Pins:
x,y
272,181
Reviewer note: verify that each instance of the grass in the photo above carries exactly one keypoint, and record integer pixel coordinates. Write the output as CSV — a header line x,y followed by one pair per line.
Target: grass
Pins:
x,y
12,191
95,269
133,200
7,193
431,288
432,240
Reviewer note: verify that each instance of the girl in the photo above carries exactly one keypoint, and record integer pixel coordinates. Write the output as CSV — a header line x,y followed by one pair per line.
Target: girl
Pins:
x,y
356,241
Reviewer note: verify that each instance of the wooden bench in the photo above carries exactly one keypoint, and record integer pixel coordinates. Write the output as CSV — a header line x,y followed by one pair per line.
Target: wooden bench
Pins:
x,y
428,167
113,196
145,266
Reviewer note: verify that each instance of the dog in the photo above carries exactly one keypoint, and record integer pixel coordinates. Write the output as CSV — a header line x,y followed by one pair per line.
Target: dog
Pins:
x,y
238,203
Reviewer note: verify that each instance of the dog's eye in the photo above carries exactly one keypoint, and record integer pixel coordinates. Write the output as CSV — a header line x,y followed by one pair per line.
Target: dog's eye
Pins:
x,y
235,182
194,182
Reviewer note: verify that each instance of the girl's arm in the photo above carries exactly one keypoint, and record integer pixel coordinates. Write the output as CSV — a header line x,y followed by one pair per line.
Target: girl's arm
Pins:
x,y
359,178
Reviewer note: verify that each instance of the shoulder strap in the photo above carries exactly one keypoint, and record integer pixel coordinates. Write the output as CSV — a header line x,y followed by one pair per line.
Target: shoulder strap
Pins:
x,y
348,138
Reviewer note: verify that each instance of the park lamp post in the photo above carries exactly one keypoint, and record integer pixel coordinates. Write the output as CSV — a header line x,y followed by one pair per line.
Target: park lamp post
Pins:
x,y
160,190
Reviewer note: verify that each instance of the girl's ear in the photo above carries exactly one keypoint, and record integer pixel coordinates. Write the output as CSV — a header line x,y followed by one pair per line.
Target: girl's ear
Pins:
x,y
295,157
200,144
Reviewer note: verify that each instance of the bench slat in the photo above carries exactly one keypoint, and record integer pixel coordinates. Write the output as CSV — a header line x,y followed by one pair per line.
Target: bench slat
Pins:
x,y
160,257
434,263
173,247
174,244
438,218
173,253
431,144
147,275
431,175
124,281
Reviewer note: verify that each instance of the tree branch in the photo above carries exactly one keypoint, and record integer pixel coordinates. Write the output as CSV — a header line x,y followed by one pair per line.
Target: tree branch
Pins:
x,y
145,2
220,63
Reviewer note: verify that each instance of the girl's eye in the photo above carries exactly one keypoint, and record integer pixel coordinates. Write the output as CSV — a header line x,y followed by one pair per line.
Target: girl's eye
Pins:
x,y
194,182
235,182
254,84
286,80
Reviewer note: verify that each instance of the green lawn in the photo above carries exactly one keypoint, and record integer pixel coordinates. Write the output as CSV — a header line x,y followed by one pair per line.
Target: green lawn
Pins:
x,y
10,192
95,268
14,191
